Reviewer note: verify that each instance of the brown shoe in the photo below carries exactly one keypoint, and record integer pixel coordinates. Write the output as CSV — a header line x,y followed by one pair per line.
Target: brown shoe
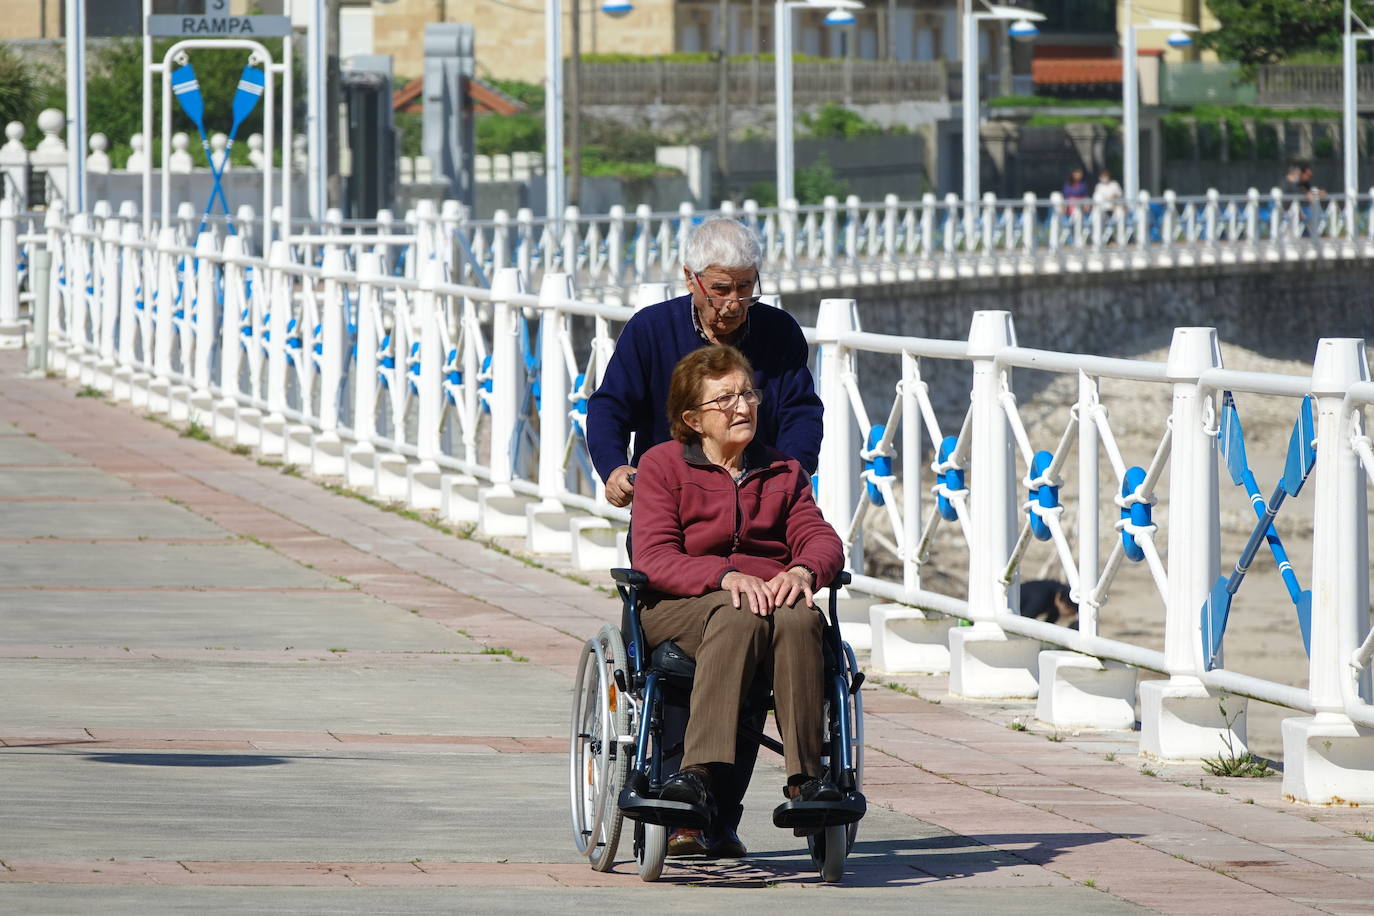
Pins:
x,y
686,842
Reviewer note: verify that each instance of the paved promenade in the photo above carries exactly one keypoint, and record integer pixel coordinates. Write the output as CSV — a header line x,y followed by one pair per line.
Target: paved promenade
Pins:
x,y
226,688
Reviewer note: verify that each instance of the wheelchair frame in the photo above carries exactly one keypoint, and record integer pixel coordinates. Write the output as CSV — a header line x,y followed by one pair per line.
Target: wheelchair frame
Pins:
x,y
616,751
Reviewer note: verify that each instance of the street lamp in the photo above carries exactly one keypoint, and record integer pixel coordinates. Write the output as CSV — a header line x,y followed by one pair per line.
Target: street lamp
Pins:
x,y
555,191
1130,102
1350,144
1022,28
839,15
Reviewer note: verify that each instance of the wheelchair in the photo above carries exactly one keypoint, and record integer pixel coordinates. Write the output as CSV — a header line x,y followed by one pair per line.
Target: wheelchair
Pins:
x,y
616,744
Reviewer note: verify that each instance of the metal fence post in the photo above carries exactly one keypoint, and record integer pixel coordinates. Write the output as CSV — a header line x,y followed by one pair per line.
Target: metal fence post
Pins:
x,y
38,350
1180,718
1327,759
548,529
984,661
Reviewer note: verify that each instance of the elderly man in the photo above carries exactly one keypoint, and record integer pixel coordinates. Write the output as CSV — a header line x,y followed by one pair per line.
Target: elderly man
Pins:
x,y
722,272
722,261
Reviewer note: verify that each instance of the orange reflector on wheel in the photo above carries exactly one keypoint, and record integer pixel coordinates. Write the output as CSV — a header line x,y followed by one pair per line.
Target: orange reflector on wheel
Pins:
x,y
612,696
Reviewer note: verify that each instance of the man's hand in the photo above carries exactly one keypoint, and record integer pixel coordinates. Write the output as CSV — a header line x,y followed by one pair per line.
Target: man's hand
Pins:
x,y
620,486
789,585
749,592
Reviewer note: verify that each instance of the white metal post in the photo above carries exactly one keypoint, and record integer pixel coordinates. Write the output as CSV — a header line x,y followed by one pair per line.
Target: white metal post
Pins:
x,y
553,109
985,662
10,333
834,473
279,283
429,382
205,313
1130,110
365,369
505,374
331,339
556,288
76,106
1180,718
782,86
972,178
1327,760
1088,494
317,123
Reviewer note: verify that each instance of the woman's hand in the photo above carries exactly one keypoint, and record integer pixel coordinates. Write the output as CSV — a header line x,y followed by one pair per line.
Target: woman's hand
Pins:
x,y
789,585
749,592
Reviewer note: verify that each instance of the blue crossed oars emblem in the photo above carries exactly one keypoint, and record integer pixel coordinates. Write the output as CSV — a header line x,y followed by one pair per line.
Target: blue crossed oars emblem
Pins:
x,y
1302,456
246,97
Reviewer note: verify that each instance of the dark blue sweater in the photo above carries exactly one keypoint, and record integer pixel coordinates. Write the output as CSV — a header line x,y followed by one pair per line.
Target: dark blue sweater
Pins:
x,y
633,395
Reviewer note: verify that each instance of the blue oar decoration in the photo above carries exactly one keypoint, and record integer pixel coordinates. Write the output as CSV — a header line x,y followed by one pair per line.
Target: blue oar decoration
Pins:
x,y
1302,456
246,97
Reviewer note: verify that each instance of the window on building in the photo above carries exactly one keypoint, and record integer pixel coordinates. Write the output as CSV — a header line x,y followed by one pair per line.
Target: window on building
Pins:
x,y
1077,15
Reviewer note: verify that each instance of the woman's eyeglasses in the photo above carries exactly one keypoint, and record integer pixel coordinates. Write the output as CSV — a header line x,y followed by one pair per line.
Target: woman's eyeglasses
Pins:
x,y
727,402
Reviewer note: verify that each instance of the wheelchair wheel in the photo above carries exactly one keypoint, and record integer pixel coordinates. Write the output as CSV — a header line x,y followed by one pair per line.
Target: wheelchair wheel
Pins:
x,y
828,851
613,648
855,708
594,758
651,850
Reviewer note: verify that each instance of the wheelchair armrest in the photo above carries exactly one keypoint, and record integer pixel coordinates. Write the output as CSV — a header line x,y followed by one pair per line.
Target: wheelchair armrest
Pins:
x,y
842,578
631,578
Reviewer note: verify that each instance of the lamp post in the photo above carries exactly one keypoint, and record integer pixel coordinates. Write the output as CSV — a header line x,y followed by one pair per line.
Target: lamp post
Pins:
x,y
839,15
1130,101
1022,28
555,188
1350,143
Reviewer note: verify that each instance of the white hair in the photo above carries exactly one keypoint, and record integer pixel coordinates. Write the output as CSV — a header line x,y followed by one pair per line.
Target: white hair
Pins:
x,y
722,242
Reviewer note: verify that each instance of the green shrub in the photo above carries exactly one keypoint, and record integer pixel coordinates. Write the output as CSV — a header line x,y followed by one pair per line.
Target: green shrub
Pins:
x,y
1237,139
817,181
1178,138
528,94
497,134
833,121
410,126
19,90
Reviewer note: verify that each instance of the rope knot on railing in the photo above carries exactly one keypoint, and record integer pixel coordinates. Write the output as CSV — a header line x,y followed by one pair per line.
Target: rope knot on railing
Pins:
x,y
949,475
1043,498
1137,513
877,460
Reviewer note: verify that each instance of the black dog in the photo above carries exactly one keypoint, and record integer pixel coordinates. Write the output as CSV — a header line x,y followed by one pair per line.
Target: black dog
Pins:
x,y
1049,600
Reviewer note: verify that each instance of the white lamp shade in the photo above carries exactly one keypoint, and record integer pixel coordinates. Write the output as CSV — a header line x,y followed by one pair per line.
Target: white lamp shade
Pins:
x,y
1023,30
839,17
617,8
1179,39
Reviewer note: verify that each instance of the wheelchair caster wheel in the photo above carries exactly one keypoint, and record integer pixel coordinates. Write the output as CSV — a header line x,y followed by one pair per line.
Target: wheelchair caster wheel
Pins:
x,y
828,851
651,851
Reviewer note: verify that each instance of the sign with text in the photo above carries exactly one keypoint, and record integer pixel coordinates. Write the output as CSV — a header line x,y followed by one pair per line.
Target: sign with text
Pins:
x,y
172,26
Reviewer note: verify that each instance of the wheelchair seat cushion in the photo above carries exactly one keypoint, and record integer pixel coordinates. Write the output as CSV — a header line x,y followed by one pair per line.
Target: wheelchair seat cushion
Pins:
x,y
669,659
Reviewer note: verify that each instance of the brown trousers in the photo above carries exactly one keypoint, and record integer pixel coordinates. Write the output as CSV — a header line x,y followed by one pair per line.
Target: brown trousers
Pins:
x,y
729,645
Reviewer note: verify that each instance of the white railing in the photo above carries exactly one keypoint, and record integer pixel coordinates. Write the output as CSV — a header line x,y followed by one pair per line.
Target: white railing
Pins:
x,y
469,399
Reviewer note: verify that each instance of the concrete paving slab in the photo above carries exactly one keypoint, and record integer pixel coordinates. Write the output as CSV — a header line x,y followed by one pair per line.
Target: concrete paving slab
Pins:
x,y
60,900
504,698
28,450
62,483
153,565
231,620
142,519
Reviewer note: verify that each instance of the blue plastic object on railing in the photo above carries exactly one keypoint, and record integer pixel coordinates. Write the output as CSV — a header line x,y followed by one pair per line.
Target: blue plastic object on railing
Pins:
x,y
953,480
880,465
1045,496
1139,514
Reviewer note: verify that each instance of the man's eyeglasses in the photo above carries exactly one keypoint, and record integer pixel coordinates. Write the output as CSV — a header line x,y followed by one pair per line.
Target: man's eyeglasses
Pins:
x,y
720,303
727,402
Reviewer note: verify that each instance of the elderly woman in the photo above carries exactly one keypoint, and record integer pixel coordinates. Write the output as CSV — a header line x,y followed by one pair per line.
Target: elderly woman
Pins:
x,y
733,545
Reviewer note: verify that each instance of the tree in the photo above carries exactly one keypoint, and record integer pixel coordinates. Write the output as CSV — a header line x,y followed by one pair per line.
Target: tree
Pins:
x,y
1254,32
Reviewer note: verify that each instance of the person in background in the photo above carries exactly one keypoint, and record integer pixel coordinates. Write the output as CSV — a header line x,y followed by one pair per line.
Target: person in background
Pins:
x,y
1107,193
1075,189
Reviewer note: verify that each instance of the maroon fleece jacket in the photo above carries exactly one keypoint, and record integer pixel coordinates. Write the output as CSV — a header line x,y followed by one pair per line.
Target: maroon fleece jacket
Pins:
x,y
693,524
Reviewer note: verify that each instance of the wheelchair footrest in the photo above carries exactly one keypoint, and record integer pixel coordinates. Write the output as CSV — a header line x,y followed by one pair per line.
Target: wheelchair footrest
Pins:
x,y
821,813
638,802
